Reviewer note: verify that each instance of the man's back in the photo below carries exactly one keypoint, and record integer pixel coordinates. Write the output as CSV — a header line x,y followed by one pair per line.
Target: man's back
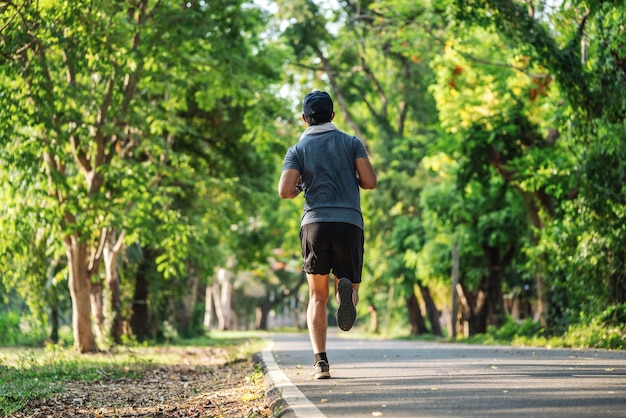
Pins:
x,y
326,162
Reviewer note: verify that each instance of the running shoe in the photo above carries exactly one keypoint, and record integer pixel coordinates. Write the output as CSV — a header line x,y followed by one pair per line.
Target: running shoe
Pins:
x,y
346,313
321,370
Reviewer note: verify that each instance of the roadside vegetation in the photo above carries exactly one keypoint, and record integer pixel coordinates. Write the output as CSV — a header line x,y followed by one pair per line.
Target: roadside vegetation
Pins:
x,y
191,378
605,331
140,146
204,376
141,142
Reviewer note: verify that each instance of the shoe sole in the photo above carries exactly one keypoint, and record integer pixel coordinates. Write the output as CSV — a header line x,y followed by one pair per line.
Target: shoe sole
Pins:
x,y
322,375
346,313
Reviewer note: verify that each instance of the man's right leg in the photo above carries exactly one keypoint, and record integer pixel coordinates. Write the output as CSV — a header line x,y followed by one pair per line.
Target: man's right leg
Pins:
x,y
348,247
347,297
355,295
317,320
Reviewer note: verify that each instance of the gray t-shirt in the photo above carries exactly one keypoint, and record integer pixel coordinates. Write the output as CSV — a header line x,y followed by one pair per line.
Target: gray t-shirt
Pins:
x,y
331,189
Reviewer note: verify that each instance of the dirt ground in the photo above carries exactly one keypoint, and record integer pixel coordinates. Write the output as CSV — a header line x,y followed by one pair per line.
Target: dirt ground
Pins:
x,y
202,385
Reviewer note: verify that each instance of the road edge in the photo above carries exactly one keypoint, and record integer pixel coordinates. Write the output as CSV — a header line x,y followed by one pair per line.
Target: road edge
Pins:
x,y
285,399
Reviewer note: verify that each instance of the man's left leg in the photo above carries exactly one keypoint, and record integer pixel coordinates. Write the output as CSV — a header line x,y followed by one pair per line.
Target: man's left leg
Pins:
x,y
317,321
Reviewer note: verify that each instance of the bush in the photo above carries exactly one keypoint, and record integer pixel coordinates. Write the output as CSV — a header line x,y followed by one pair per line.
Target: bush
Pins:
x,y
12,333
512,330
614,315
606,330
10,328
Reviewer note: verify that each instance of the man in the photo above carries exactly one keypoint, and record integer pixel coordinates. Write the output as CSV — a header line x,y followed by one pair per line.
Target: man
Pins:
x,y
328,165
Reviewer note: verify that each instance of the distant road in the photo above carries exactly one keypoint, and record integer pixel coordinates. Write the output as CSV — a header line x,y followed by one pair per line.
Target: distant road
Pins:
x,y
422,379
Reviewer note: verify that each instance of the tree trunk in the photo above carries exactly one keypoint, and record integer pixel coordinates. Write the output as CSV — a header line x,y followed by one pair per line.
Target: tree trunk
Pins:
x,y
431,311
473,318
373,318
416,319
139,318
477,320
222,311
492,286
222,298
208,308
183,315
262,312
461,320
97,311
54,323
542,313
79,284
454,315
543,296
112,248
485,306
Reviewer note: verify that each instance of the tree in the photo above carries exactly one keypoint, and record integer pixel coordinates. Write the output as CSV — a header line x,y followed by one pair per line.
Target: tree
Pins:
x,y
380,95
96,96
579,45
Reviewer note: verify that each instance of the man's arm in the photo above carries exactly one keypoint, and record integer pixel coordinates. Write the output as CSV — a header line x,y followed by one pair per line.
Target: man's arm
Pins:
x,y
367,176
288,185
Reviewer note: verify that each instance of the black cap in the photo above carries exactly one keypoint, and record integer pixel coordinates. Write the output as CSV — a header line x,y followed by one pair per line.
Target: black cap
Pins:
x,y
317,104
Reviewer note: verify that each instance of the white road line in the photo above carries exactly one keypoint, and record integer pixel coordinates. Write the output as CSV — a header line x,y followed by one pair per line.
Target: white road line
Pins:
x,y
296,401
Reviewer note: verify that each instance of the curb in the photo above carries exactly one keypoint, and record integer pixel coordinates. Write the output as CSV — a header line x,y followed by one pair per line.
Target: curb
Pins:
x,y
285,399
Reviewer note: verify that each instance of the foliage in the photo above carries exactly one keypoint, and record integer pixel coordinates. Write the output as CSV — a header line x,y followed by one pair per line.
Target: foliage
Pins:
x,y
583,52
30,375
606,330
530,112
494,124
36,374
17,330
136,119
10,327
513,330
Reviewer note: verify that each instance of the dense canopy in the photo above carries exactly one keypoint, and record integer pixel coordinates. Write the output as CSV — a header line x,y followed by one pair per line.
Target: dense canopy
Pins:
x,y
141,142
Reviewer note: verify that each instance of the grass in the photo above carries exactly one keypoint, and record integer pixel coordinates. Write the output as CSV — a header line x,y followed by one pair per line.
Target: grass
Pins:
x,y
38,373
594,333
606,330
28,374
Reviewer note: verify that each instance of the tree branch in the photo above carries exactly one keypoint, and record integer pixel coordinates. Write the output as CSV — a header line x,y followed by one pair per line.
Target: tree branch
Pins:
x,y
102,118
96,255
337,93
483,61
131,80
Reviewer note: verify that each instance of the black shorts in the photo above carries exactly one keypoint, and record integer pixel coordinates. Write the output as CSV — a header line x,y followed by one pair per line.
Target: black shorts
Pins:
x,y
333,246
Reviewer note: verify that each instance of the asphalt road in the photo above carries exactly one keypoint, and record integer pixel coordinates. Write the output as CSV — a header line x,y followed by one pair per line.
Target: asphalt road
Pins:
x,y
422,379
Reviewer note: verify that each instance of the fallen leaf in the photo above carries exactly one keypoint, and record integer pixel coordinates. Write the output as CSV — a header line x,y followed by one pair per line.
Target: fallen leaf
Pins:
x,y
249,397
610,369
324,400
377,414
